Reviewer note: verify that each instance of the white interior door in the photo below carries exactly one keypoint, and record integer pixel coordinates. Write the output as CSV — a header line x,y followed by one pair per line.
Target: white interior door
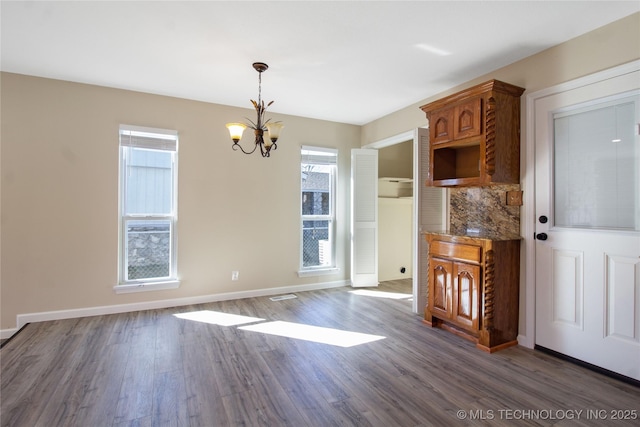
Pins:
x,y
364,217
588,223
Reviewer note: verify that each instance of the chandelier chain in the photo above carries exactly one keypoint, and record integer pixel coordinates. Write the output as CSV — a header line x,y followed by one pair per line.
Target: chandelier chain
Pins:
x,y
259,87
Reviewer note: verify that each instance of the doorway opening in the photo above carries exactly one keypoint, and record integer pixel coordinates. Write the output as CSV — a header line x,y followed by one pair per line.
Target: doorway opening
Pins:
x,y
407,209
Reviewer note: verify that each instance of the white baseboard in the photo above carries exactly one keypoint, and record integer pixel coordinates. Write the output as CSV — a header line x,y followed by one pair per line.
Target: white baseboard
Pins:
x,y
525,341
7,333
23,319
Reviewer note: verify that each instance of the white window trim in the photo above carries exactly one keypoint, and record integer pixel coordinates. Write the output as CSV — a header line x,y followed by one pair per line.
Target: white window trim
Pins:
x,y
321,270
129,288
153,284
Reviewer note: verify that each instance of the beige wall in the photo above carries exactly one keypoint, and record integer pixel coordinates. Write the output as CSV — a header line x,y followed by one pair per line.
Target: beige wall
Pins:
x,y
60,196
606,47
396,160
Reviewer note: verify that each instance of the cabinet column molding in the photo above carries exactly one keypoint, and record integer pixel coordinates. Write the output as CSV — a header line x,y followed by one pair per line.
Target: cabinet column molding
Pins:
x,y
490,138
489,291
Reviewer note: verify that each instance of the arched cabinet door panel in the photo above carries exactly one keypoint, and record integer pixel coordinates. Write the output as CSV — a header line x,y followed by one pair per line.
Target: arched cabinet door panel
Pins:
x,y
441,126
467,119
465,285
441,292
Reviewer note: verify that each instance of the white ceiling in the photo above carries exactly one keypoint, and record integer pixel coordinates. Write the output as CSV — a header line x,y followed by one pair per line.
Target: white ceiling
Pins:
x,y
345,61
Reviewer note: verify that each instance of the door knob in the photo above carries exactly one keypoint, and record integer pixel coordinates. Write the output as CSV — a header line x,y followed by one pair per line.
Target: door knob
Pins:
x,y
541,236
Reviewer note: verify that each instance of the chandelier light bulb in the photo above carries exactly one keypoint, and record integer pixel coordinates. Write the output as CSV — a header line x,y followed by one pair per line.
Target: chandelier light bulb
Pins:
x,y
236,130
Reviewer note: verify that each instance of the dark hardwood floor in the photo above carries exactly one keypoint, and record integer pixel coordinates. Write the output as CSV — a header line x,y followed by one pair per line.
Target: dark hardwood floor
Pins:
x,y
153,368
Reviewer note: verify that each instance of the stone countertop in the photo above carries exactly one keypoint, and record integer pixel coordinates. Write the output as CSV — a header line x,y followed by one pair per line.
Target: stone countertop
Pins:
x,y
472,234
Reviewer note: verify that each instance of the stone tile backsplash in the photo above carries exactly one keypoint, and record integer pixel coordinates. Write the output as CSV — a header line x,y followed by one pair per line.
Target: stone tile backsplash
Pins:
x,y
484,210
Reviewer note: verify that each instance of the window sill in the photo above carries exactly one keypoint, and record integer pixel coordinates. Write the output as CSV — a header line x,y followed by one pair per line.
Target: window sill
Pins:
x,y
318,272
145,287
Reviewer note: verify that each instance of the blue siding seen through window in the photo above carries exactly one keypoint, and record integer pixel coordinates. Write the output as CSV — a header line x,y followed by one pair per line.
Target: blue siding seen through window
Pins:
x,y
149,182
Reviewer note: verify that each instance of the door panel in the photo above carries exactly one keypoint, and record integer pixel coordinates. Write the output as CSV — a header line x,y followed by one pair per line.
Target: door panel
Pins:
x,y
622,298
440,294
466,281
567,283
364,217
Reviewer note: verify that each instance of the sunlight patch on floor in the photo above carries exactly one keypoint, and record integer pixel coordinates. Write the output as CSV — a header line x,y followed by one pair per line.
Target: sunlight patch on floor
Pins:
x,y
318,334
218,318
381,294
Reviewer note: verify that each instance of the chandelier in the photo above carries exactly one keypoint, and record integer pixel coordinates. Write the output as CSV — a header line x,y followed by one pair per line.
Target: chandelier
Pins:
x,y
260,125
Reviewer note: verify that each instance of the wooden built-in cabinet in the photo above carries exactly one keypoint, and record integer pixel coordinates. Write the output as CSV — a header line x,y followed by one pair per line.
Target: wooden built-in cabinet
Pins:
x,y
473,288
475,136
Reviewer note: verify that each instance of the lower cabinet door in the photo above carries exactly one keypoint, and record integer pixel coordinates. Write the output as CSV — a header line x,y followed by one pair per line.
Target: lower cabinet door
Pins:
x,y
441,292
466,286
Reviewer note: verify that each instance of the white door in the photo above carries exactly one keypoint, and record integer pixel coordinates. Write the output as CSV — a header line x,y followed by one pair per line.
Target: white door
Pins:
x,y
364,217
588,223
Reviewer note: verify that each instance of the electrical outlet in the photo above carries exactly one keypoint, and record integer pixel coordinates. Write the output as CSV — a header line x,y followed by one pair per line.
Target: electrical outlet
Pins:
x,y
234,275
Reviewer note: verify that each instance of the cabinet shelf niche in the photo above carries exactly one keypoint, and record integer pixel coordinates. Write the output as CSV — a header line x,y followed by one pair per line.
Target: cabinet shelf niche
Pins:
x,y
456,162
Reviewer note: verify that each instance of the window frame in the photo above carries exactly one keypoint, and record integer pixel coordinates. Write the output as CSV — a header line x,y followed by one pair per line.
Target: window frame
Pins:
x,y
159,140
307,158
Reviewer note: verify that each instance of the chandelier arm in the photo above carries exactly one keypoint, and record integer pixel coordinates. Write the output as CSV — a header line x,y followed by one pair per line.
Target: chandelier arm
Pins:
x,y
237,145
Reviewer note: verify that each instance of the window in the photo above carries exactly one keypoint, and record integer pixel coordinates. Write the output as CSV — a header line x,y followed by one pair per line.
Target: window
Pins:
x,y
318,183
597,165
148,178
